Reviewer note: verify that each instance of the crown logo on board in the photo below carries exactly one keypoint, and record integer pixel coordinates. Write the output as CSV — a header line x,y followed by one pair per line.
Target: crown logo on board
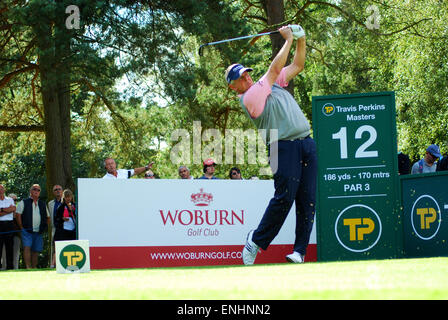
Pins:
x,y
202,198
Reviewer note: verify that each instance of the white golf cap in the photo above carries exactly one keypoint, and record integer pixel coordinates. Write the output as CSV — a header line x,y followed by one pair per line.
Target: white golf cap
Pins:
x,y
235,71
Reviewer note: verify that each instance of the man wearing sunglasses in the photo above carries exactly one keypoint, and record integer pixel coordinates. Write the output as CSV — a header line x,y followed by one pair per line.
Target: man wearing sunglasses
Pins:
x,y
33,220
235,174
149,175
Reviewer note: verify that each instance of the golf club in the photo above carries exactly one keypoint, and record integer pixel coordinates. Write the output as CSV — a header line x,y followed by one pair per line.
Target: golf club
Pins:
x,y
201,48
297,31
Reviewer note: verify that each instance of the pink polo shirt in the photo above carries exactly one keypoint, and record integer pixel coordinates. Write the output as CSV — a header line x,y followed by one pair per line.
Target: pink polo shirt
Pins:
x,y
255,97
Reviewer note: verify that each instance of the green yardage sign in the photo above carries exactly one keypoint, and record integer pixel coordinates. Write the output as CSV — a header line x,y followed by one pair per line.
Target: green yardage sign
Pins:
x,y
357,202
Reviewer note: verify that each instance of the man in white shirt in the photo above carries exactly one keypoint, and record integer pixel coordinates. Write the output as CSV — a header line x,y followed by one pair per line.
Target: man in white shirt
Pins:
x,y
7,209
114,173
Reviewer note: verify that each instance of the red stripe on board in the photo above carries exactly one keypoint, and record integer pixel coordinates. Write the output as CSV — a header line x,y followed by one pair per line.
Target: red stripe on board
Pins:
x,y
175,256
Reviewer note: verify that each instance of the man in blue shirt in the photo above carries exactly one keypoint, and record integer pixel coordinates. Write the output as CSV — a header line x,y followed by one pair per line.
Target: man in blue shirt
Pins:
x,y
209,169
428,163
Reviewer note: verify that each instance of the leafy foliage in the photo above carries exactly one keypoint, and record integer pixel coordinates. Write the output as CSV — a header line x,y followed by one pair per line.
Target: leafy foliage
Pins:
x,y
136,76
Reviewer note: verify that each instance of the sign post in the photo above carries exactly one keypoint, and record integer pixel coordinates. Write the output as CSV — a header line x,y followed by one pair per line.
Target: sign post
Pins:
x,y
358,200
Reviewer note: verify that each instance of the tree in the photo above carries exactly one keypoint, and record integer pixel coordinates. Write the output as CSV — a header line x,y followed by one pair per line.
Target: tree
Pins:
x,y
138,38
152,45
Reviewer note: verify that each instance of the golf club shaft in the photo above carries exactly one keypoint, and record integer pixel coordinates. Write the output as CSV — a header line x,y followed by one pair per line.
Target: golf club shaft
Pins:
x,y
243,37
238,38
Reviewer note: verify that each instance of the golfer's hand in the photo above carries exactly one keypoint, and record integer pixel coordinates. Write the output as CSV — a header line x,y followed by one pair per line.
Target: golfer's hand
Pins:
x,y
297,31
286,33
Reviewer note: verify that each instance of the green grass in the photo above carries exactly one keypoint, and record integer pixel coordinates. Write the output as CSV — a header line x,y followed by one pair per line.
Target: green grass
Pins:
x,y
374,279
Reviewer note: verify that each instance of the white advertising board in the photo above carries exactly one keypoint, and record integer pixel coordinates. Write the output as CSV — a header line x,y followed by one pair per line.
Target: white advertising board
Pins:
x,y
123,219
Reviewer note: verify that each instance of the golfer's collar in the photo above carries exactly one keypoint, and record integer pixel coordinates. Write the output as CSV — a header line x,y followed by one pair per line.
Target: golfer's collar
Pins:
x,y
242,94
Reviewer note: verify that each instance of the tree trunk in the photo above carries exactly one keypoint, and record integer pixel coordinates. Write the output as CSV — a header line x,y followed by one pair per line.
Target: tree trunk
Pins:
x,y
63,53
275,13
54,74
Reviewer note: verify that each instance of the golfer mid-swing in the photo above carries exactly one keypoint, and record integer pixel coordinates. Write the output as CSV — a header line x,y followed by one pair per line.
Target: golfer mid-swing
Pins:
x,y
272,107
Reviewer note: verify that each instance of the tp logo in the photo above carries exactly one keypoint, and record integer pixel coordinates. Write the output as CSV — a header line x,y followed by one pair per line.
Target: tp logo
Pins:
x,y
328,109
358,228
72,257
425,217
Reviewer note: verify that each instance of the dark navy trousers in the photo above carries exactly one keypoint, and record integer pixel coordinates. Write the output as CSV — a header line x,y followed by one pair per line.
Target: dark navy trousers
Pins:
x,y
294,180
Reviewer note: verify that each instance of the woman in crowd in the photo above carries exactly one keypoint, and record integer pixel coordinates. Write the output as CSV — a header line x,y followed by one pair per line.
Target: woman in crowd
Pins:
x,y
65,219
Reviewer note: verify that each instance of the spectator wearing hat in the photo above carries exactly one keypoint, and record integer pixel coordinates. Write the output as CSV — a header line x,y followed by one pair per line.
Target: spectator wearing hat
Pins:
x,y
209,169
428,163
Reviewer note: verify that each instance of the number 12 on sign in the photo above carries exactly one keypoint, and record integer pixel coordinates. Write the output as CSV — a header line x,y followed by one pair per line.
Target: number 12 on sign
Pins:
x,y
361,152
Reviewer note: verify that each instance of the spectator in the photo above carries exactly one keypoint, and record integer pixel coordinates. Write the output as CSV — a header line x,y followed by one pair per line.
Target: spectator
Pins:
x,y
235,174
17,235
33,220
7,209
404,163
65,218
427,164
184,173
114,173
209,169
149,175
17,241
52,206
442,165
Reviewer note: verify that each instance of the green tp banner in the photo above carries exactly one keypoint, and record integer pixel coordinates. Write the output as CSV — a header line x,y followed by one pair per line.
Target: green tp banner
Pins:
x,y
425,213
358,201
